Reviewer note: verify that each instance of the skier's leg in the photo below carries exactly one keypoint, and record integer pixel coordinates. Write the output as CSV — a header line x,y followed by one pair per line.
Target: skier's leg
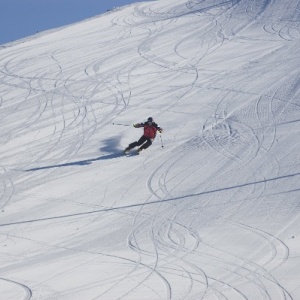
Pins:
x,y
130,146
134,144
146,145
141,141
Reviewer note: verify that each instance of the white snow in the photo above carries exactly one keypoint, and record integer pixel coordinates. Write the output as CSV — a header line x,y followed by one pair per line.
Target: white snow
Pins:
x,y
214,214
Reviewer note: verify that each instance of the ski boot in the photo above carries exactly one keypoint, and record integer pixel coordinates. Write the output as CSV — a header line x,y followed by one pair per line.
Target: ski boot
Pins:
x,y
127,150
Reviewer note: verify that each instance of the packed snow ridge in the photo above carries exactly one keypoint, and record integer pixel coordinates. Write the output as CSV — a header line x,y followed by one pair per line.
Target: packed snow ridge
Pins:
x,y
211,210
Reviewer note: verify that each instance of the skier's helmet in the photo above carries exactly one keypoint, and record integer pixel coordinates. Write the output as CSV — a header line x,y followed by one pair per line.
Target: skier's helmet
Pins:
x,y
150,119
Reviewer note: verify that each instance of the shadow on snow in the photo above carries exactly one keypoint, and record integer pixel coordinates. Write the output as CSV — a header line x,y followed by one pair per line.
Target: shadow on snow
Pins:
x,y
110,145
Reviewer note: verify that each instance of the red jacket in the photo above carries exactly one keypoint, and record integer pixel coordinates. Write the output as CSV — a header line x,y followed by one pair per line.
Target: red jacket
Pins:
x,y
149,130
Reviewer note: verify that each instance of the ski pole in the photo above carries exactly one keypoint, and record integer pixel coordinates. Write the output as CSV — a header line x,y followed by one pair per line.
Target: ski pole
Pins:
x,y
162,144
120,124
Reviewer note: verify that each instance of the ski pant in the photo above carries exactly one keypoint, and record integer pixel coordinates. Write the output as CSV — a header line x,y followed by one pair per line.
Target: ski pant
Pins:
x,y
144,141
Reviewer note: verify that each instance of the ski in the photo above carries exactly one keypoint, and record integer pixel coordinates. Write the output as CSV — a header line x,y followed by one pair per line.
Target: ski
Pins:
x,y
130,152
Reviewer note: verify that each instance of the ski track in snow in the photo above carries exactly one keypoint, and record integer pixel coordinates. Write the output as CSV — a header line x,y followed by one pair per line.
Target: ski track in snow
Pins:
x,y
213,214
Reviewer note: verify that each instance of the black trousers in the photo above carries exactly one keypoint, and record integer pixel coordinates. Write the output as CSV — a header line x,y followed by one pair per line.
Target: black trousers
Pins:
x,y
145,142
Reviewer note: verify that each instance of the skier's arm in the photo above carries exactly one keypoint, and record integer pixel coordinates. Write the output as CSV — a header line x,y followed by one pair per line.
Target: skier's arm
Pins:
x,y
159,129
138,125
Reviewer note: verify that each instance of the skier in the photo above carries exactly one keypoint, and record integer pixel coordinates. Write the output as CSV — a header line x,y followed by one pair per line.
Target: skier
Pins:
x,y
150,129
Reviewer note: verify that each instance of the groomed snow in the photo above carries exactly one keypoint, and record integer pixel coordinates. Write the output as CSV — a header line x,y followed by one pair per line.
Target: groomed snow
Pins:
x,y
213,214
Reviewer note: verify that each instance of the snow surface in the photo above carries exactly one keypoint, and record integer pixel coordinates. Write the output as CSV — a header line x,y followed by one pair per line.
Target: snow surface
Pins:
x,y
214,214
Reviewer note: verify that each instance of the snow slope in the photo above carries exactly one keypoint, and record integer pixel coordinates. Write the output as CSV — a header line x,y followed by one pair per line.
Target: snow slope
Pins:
x,y
214,214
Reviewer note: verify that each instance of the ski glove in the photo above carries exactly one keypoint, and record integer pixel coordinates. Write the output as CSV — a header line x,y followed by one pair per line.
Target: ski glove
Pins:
x,y
160,130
